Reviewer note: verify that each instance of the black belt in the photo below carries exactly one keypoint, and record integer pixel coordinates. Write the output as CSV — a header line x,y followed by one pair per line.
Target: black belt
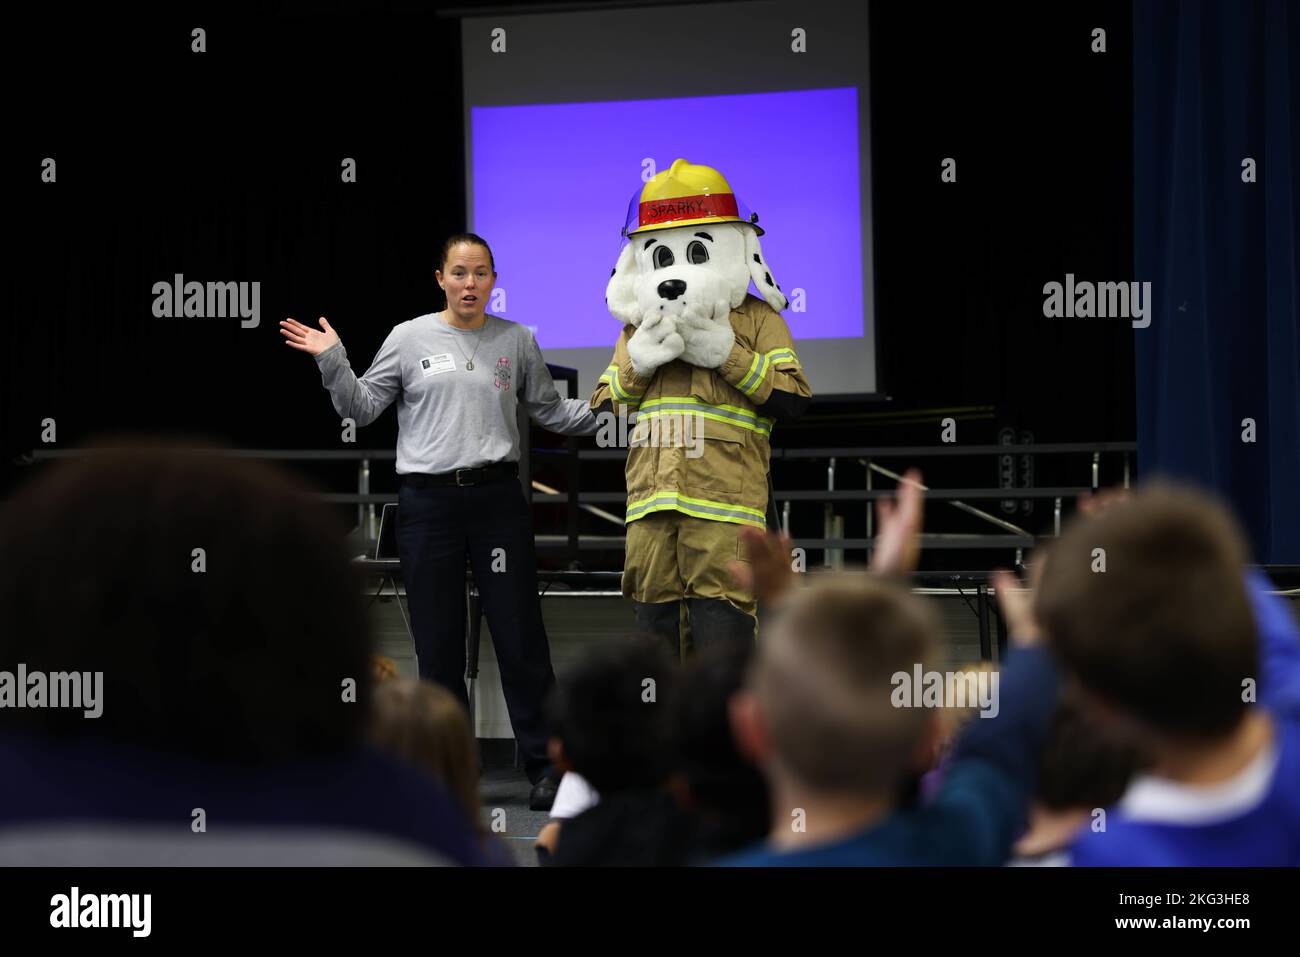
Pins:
x,y
499,472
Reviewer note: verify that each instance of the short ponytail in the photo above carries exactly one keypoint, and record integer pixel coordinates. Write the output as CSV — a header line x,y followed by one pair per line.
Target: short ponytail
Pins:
x,y
471,239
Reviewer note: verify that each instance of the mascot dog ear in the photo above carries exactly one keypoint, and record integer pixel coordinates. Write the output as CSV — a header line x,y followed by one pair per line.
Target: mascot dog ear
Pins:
x,y
761,273
620,294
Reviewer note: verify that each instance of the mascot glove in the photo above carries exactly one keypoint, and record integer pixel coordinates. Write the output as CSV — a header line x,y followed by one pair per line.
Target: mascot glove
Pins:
x,y
656,342
707,333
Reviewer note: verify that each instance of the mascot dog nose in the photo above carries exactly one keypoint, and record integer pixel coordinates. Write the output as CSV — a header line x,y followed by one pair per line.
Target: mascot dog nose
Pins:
x,y
672,288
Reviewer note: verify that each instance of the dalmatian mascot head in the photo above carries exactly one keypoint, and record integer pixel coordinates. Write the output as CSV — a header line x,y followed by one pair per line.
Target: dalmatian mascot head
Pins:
x,y
690,256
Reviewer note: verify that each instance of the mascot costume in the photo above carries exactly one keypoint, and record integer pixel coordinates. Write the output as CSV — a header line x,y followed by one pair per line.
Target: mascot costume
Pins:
x,y
699,351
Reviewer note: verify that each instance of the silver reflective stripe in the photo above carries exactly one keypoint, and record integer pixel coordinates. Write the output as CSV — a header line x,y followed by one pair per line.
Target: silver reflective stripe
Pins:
x,y
741,417
673,501
754,376
749,385
738,417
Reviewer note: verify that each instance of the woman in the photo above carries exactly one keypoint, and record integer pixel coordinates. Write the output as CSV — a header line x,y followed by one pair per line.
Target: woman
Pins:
x,y
458,375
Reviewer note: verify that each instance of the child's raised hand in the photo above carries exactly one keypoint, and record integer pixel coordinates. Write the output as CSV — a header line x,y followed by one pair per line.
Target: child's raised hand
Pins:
x,y
898,528
769,572
1017,605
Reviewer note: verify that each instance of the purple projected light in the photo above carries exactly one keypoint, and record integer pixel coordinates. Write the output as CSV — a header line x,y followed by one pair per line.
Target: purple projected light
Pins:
x,y
552,183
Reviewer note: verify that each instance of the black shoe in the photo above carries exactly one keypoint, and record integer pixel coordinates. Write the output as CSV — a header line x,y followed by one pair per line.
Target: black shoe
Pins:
x,y
543,794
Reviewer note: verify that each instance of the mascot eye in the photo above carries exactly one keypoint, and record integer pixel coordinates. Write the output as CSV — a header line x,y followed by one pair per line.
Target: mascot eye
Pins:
x,y
663,256
696,253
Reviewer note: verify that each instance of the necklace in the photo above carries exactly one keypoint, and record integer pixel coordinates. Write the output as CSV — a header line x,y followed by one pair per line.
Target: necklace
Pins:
x,y
478,341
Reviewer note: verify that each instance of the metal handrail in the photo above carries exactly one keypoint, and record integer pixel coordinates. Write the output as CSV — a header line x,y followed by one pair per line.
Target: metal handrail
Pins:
x,y
913,451
365,500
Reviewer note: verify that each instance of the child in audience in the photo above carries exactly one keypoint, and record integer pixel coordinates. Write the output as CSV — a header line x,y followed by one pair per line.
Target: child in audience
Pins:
x,y
721,798
818,717
610,717
573,796
423,723
951,721
148,564
1149,607
713,782
1083,771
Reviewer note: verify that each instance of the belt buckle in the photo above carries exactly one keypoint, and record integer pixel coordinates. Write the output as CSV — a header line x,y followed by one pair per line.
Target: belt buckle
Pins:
x,y
458,481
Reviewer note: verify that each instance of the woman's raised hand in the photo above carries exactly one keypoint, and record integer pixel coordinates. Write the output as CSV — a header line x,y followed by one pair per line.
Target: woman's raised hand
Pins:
x,y
308,339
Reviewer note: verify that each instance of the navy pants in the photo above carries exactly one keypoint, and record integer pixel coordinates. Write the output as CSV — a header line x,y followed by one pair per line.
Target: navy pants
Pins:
x,y
492,526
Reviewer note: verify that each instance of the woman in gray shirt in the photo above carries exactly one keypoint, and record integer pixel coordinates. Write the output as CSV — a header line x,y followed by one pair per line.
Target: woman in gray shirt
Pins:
x,y
457,376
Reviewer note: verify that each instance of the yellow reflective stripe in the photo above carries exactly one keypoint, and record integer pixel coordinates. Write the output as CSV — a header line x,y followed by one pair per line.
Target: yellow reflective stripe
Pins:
x,y
702,502
610,376
691,400
750,385
754,375
760,427
745,418
685,510
752,379
694,401
697,508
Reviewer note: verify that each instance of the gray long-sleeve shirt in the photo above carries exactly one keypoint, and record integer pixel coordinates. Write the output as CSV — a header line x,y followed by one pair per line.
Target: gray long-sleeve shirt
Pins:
x,y
449,417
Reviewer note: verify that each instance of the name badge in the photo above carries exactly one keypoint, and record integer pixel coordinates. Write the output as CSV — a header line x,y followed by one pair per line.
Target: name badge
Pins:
x,y
432,365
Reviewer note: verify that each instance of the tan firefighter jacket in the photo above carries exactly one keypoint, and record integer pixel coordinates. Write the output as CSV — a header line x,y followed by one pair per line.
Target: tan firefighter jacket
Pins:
x,y
724,476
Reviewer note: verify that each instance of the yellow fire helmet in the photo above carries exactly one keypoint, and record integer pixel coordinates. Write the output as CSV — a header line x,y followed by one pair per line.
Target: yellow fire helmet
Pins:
x,y
683,195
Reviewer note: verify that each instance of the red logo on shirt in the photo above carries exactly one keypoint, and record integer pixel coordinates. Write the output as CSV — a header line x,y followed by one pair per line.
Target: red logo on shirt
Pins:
x,y
501,378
